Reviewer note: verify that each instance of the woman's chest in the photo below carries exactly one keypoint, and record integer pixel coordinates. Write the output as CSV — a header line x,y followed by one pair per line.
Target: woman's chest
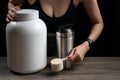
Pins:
x,y
55,8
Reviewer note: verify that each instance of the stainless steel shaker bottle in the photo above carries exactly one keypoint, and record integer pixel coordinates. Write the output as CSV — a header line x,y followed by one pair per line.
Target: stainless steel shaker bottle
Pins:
x,y
65,39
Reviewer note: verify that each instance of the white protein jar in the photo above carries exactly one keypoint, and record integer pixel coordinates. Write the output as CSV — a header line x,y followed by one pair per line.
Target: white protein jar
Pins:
x,y
26,40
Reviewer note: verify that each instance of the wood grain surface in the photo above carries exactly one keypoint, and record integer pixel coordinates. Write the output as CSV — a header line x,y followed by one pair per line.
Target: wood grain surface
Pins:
x,y
92,68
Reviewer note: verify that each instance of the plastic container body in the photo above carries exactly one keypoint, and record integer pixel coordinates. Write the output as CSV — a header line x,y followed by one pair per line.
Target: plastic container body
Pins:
x,y
26,45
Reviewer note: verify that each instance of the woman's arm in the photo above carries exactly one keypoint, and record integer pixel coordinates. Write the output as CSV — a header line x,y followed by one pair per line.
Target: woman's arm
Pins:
x,y
93,12
77,54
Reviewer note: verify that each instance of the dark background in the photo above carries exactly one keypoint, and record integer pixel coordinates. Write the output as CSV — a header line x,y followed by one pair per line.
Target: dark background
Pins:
x,y
108,44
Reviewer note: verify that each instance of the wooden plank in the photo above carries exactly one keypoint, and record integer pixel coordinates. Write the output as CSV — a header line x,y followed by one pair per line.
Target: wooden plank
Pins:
x,y
92,68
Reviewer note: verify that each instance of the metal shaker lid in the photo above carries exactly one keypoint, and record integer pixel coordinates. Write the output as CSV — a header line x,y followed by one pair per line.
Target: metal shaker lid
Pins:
x,y
65,30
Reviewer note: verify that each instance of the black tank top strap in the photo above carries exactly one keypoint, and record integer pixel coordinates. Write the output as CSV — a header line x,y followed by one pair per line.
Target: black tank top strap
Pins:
x,y
71,1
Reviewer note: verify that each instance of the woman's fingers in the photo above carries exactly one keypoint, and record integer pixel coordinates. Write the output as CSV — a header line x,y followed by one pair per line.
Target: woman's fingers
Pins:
x,y
70,57
74,56
11,13
7,20
13,9
16,8
77,59
10,16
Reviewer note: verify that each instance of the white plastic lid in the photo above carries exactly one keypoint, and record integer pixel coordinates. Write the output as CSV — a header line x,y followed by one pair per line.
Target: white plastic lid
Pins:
x,y
26,14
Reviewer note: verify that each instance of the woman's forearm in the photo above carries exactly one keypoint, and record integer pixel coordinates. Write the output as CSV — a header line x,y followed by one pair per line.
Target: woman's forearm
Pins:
x,y
92,9
96,31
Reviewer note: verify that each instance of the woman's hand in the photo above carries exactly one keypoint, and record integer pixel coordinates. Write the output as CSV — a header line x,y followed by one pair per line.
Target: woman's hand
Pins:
x,y
77,54
11,12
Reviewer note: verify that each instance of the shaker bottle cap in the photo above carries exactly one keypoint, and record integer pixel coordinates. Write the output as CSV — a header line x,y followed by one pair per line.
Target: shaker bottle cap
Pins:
x,y
26,14
65,30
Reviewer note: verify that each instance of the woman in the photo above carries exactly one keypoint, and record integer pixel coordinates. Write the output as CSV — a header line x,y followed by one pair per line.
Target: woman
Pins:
x,y
57,12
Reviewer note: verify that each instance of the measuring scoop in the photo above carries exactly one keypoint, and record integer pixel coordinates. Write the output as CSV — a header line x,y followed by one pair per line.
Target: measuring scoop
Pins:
x,y
57,64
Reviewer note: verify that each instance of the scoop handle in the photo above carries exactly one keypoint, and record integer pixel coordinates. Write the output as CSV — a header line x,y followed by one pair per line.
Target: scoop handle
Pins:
x,y
65,58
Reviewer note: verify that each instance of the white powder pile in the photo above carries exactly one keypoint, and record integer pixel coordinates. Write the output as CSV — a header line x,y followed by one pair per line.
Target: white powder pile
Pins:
x,y
56,64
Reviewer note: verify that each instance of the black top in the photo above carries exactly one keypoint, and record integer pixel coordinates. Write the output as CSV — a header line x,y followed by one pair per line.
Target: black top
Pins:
x,y
53,22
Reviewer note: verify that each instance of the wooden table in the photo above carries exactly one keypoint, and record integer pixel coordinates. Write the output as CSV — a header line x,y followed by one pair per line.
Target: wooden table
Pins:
x,y
92,68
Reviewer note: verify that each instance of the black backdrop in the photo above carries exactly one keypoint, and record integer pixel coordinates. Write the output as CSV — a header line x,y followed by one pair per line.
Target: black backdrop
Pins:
x,y
108,44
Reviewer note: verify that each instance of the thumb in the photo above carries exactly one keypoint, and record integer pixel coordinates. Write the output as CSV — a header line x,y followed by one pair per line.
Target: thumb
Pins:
x,y
17,8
